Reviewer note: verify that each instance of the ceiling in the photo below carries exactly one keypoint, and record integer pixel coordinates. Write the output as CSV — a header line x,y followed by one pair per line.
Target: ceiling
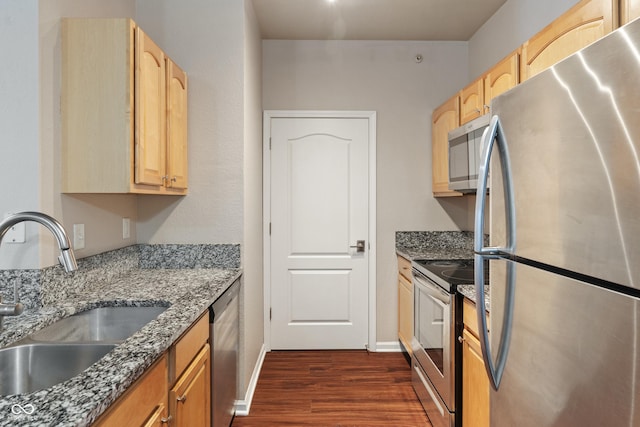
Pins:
x,y
373,19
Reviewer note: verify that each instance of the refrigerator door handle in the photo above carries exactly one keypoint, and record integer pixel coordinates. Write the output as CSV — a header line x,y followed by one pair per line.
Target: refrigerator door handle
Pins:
x,y
494,135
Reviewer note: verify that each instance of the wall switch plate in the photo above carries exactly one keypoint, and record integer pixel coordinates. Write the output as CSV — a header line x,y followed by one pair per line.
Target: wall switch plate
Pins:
x,y
78,236
126,228
16,234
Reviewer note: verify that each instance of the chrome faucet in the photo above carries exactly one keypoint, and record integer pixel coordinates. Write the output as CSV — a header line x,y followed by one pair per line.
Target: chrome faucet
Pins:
x,y
66,257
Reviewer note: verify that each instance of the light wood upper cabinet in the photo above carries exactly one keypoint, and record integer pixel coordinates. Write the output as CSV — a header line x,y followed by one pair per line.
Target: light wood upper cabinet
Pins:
x,y
115,85
581,25
151,125
472,101
443,119
176,125
629,10
502,77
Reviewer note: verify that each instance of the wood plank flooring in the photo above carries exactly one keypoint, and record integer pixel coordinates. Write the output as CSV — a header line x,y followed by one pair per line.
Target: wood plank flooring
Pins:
x,y
334,388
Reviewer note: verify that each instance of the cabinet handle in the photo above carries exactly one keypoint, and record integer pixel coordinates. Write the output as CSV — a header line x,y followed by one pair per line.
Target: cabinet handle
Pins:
x,y
460,339
183,398
165,420
165,177
174,179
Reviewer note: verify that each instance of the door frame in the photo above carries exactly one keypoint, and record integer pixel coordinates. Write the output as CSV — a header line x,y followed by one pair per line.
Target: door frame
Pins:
x,y
266,209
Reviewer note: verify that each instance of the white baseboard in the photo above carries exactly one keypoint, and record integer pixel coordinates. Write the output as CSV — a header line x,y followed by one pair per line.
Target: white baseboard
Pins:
x,y
388,346
242,406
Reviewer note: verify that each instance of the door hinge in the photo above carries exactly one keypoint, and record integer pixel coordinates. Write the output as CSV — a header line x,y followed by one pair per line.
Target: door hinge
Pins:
x,y
269,229
269,143
269,313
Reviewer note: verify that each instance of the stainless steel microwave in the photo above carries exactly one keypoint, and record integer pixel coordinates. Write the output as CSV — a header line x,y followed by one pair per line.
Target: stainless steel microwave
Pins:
x,y
465,147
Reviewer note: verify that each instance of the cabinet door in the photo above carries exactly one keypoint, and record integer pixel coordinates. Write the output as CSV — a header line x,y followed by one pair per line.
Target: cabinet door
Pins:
x,y
444,118
405,312
190,398
158,418
144,402
475,384
629,10
150,138
502,77
472,101
176,126
580,26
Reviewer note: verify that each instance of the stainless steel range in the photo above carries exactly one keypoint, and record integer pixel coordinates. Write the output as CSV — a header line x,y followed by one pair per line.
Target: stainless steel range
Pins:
x,y
436,362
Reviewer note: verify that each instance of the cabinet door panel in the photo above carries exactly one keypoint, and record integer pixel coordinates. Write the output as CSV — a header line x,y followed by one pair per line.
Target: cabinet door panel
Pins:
x,y
190,398
583,24
176,126
405,312
150,139
444,118
502,77
475,384
471,101
629,10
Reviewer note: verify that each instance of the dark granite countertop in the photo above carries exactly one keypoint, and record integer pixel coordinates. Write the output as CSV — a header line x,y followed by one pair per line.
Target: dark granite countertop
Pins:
x,y
187,292
435,245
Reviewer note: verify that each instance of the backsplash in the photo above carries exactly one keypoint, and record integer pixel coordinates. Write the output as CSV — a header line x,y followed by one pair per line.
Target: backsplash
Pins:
x,y
38,288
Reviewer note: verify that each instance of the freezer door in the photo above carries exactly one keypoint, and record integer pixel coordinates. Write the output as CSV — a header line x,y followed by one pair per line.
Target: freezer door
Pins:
x,y
573,138
573,358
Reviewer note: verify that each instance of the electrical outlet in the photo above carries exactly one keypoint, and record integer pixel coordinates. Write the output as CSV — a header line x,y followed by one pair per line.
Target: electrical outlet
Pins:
x,y
78,236
126,228
16,234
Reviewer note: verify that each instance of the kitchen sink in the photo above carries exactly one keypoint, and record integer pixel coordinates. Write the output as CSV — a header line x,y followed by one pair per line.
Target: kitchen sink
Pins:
x,y
69,346
99,324
30,367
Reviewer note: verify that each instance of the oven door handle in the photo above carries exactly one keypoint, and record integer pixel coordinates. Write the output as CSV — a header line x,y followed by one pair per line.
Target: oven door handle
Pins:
x,y
494,135
436,294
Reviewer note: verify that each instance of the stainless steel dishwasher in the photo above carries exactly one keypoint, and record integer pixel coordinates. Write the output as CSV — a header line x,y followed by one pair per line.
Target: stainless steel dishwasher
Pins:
x,y
223,336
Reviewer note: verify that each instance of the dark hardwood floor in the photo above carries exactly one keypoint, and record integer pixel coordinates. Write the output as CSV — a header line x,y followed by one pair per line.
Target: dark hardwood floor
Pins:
x,y
334,388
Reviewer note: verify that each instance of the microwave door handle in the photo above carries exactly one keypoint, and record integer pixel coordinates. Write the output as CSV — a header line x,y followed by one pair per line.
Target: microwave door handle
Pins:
x,y
494,135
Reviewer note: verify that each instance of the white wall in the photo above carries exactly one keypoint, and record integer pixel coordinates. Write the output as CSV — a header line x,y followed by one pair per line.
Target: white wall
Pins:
x,y
19,162
513,24
252,314
384,77
206,39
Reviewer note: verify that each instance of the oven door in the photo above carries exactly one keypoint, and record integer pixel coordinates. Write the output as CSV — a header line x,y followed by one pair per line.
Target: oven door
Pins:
x,y
434,334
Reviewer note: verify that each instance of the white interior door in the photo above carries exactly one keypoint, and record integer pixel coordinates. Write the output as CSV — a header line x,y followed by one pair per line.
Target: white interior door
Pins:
x,y
319,211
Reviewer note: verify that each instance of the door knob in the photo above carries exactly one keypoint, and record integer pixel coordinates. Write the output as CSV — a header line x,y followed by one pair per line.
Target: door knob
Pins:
x,y
359,246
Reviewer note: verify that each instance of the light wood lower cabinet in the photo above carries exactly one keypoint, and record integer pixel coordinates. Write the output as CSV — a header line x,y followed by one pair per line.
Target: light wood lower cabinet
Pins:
x,y
190,395
475,384
186,369
405,303
144,404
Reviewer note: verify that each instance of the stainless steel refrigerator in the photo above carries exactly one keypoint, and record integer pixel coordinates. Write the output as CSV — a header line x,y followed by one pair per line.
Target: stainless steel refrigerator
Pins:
x,y
564,209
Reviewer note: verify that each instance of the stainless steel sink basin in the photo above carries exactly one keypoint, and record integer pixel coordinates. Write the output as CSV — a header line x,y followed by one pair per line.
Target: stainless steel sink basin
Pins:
x,y
99,324
30,367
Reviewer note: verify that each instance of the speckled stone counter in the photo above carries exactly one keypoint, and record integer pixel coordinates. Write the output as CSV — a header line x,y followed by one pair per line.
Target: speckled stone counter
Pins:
x,y
435,245
469,291
187,292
